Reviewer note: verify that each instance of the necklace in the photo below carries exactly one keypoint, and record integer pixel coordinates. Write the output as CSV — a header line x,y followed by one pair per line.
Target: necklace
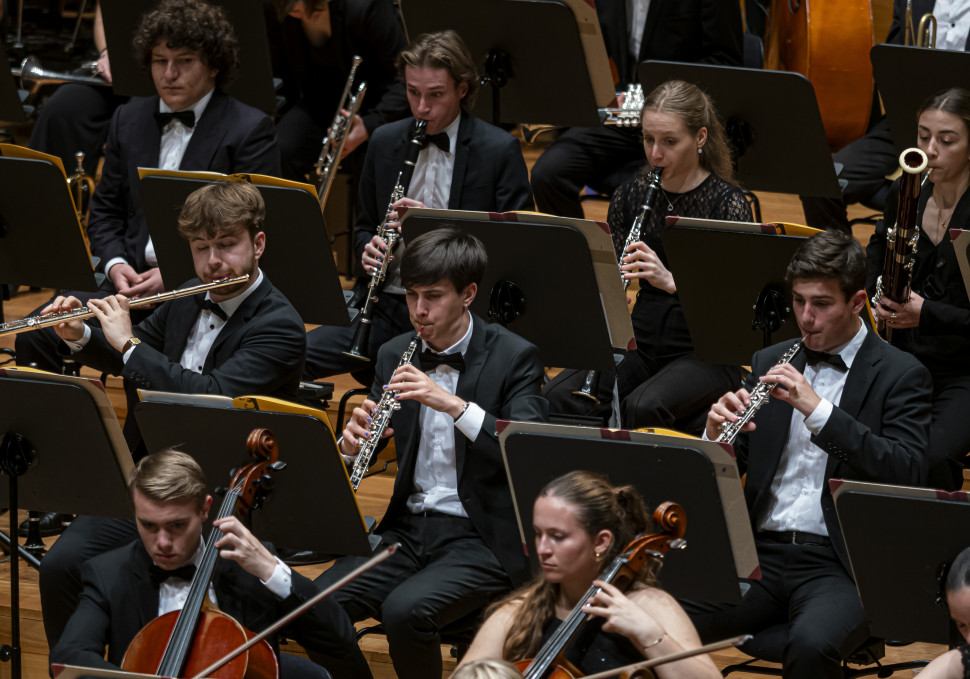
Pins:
x,y
671,203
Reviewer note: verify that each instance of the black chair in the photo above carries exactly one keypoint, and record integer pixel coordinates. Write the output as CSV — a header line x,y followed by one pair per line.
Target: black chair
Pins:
x,y
768,646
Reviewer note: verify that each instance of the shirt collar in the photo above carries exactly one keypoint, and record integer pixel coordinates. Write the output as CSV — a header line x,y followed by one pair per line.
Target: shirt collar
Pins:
x,y
232,304
459,347
197,108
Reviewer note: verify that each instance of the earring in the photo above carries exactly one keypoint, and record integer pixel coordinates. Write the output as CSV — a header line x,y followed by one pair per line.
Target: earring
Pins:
x,y
598,556
700,149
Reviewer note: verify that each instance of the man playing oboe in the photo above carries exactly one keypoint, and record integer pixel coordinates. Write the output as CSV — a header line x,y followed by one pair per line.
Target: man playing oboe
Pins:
x,y
848,406
451,509
464,164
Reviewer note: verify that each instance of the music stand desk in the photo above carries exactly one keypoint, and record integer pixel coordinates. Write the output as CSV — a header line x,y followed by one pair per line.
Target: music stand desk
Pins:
x,y
701,476
758,131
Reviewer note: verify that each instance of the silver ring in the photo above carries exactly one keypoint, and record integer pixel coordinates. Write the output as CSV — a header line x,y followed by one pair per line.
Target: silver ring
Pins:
x,y
892,316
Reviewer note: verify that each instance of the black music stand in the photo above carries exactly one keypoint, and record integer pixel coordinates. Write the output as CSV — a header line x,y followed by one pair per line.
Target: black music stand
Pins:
x,y
772,122
28,228
903,536
542,303
42,462
699,475
298,255
961,246
11,97
908,76
253,83
729,328
312,506
545,76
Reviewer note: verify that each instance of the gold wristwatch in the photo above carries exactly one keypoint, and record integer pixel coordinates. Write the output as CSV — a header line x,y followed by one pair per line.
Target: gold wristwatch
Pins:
x,y
132,341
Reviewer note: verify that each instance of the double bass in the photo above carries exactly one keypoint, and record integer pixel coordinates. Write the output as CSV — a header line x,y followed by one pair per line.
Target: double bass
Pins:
x,y
644,551
185,642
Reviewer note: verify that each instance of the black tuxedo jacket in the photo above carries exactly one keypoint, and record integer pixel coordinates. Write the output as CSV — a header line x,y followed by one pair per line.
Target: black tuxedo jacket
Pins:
x,y
260,350
489,175
502,375
879,431
119,599
707,31
229,137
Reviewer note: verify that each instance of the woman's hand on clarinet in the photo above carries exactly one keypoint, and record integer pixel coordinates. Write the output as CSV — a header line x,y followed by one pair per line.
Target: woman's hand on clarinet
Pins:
x,y
900,316
374,253
356,430
640,261
727,409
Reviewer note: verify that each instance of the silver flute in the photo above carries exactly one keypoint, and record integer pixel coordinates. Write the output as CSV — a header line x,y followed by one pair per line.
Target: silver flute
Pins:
x,y
759,396
379,419
35,322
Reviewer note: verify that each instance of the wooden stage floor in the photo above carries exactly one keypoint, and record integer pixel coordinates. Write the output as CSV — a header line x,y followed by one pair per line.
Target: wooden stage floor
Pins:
x,y
374,491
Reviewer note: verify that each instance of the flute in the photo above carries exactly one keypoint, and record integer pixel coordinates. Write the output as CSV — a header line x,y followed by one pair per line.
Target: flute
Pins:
x,y
44,320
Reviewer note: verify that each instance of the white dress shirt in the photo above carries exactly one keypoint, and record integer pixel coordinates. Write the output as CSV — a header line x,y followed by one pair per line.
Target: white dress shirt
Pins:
x,y
952,24
796,489
431,185
436,467
203,336
173,592
636,11
175,139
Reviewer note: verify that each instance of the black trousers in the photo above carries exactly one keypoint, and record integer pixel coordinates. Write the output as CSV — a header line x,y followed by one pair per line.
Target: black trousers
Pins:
x,y
325,345
60,569
950,431
866,163
75,118
674,396
805,588
601,157
442,573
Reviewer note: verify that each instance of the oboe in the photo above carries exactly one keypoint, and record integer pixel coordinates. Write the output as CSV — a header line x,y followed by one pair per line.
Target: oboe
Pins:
x,y
759,396
389,236
588,390
378,422
35,322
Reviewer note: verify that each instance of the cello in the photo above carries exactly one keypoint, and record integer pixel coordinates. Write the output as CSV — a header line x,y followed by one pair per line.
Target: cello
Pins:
x,y
828,42
183,642
644,551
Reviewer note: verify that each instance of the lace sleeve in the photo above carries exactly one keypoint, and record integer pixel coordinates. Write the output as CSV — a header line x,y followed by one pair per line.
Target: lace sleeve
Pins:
x,y
624,204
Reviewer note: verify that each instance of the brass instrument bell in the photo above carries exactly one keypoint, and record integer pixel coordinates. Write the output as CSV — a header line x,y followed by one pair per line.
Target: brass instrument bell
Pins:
x,y
82,186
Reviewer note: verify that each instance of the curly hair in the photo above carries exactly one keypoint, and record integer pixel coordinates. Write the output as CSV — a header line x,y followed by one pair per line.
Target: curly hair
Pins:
x,y
695,109
192,24
597,506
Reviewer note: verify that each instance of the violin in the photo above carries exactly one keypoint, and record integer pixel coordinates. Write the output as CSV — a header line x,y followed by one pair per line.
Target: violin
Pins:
x,y
645,550
183,643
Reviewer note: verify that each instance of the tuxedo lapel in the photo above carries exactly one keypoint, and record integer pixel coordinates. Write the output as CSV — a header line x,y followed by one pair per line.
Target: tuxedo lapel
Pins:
x,y
649,28
462,150
857,385
238,321
468,382
209,131
146,145
145,593
179,324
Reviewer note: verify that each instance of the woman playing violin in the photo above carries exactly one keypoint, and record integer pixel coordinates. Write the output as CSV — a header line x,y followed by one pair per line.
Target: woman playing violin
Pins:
x,y
934,325
582,523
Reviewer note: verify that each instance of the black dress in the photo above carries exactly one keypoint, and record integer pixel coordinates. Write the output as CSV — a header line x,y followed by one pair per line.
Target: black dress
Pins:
x,y
660,383
942,340
594,650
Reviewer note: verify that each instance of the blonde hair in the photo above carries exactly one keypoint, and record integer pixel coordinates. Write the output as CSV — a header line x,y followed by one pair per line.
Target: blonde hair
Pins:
x,y
487,668
598,506
168,475
696,110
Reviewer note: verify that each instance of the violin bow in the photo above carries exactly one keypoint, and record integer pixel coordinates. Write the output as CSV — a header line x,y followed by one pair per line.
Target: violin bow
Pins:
x,y
299,610
664,659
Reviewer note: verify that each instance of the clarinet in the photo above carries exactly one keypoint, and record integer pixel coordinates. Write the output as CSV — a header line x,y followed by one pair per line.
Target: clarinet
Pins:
x,y
587,391
389,236
901,238
378,423
759,396
333,144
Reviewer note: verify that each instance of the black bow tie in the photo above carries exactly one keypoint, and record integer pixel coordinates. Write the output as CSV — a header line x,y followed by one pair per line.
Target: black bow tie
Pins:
x,y
816,358
208,305
440,140
430,360
187,118
160,575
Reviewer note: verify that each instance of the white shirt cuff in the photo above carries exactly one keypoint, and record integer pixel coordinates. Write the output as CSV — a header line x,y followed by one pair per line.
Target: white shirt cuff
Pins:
x,y
125,356
819,416
76,345
280,582
111,263
470,422
349,459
